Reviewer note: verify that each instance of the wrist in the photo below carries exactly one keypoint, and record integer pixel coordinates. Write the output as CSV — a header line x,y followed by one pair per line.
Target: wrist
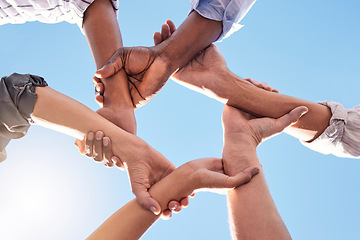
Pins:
x,y
239,155
175,186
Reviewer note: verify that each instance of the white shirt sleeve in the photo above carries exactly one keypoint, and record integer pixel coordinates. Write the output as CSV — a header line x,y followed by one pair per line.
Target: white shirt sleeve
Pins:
x,y
342,137
230,12
46,11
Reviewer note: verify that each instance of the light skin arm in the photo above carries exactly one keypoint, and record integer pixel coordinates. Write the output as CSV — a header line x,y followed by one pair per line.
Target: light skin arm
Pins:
x,y
103,35
144,164
201,173
259,219
208,74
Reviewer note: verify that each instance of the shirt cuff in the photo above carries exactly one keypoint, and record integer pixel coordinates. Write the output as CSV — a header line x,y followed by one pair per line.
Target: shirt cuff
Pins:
x,y
229,12
342,137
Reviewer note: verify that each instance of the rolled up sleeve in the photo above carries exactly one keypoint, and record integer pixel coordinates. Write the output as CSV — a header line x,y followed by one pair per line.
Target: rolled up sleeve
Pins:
x,y
229,12
17,101
342,137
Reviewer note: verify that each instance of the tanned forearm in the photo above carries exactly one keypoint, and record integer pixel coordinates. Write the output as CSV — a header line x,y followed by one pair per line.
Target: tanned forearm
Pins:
x,y
56,111
131,221
263,103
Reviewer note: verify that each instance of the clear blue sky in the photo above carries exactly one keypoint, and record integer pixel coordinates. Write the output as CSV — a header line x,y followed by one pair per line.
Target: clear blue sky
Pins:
x,y
307,49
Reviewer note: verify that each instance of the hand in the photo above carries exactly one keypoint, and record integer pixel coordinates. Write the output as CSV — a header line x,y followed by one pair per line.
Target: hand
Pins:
x,y
243,133
99,147
237,122
207,174
146,69
198,74
263,85
145,168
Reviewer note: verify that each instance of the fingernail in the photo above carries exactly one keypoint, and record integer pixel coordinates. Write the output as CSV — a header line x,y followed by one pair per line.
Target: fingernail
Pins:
x,y
90,137
87,150
97,88
153,209
106,142
98,136
255,171
175,207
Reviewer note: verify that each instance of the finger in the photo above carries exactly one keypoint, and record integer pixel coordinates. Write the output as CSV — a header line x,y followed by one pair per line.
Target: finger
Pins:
x,y
220,180
174,206
275,90
166,215
118,163
89,142
157,38
171,25
100,88
165,32
107,151
184,202
98,150
100,100
266,86
96,80
290,118
114,65
145,200
242,177
80,145
192,195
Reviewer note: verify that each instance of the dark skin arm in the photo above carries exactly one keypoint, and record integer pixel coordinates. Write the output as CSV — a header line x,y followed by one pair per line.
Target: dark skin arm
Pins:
x,y
104,38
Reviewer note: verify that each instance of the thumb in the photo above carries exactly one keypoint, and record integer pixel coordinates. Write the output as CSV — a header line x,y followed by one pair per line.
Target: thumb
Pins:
x,y
242,177
145,200
80,145
290,118
114,65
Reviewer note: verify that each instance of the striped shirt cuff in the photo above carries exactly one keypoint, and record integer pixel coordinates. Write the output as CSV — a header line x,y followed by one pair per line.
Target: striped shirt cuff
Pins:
x,y
342,137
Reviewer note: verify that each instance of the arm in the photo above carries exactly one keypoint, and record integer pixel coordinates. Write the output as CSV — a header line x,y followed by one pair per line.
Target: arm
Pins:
x,y
104,38
259,219
148,68
209,75
144,164
199,173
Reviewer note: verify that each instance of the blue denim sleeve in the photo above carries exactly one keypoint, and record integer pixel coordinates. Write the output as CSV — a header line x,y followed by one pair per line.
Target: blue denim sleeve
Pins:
x,y
230,12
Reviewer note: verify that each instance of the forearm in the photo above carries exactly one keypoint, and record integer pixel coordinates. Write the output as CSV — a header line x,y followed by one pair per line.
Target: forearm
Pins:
x,y
252,212
245,96
104,38
132,221
58,112
193,35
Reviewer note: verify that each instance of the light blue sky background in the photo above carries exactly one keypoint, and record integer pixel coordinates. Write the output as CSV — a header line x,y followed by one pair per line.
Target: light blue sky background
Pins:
x,y
307,49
